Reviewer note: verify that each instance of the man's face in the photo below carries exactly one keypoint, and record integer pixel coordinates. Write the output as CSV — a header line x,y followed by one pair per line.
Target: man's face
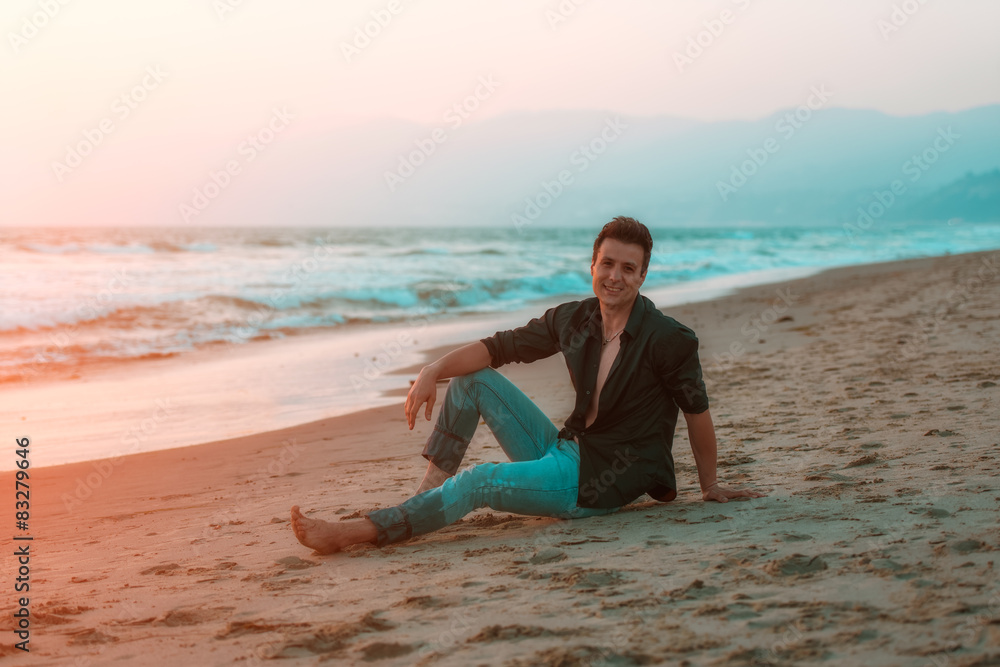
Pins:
x,y
617,272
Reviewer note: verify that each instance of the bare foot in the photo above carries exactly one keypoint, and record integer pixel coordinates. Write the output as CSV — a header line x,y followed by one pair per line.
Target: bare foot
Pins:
x,y
433,478
328,538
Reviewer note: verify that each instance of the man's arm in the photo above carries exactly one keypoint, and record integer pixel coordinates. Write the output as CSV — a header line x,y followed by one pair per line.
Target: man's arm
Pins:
x,y
467,359
701,432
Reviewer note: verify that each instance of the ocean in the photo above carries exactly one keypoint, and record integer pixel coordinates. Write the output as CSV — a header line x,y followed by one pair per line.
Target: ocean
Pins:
x,y
75,299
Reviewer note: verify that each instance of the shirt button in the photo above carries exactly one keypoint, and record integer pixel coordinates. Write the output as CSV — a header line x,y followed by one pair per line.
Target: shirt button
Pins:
x,y
588,393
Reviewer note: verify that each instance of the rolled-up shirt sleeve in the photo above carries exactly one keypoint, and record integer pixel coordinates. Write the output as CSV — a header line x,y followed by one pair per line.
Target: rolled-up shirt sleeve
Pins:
x,y
535,340
680,371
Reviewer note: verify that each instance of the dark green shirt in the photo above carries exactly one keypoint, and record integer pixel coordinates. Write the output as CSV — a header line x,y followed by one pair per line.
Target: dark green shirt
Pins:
x,y
627,450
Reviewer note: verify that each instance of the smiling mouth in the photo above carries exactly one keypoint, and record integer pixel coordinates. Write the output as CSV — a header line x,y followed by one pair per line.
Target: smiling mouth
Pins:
x,y
613,290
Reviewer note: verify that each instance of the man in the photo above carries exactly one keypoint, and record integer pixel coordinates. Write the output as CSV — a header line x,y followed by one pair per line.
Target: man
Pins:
x,y
632,367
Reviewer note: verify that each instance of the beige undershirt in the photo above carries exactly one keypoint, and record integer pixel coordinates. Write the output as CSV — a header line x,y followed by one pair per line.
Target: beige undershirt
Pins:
x,y
608,354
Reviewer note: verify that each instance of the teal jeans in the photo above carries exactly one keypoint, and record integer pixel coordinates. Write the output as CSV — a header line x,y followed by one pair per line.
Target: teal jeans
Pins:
x,y
541,479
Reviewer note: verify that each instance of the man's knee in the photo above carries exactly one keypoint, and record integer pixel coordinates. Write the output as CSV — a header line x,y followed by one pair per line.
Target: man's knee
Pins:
x,y
482,375
465,383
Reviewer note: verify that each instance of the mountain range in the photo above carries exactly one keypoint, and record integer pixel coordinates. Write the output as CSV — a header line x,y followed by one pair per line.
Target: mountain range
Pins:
x,y
797,167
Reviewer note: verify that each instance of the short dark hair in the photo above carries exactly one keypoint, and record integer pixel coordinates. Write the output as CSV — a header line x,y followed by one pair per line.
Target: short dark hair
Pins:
x,y
626,230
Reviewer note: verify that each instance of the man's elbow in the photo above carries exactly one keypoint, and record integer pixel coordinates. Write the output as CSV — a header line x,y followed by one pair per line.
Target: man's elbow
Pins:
x,y
664,496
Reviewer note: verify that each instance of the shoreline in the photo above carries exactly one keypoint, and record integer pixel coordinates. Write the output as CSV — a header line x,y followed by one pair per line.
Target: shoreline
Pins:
x,y
382,386
869,418
217,393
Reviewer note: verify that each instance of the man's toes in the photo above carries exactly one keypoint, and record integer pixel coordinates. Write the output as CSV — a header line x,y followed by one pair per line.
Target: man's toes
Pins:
x,y
297,519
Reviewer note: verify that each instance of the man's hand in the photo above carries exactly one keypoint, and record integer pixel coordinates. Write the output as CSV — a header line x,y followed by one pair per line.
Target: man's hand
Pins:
x,y
723,494
462,361
424,390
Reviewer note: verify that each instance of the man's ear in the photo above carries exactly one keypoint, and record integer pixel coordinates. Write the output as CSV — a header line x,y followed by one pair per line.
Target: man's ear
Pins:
x,y
642,279
591,268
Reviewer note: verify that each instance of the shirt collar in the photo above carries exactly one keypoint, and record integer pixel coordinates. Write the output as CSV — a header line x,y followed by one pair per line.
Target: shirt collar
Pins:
x,y
635,318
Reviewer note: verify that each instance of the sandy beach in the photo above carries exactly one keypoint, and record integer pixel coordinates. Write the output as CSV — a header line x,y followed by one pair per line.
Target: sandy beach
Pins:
x,y
863,400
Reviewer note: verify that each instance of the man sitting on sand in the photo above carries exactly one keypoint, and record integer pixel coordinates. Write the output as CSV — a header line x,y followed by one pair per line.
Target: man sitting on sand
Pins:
x,y
632,368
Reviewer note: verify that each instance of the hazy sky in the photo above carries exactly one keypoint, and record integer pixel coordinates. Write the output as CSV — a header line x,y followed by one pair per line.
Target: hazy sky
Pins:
x,y
161,89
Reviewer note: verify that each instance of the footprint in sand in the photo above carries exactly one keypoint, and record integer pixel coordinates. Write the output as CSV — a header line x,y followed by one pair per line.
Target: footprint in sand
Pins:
x,y
794,537
295,563
63,609
192,616
55,613
795,565
696,590
587,580
90,636
547,555
41,618
422,602
506,633
384,650
581,655
865,460
163,568
240,628
330,639
714,518
967,546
